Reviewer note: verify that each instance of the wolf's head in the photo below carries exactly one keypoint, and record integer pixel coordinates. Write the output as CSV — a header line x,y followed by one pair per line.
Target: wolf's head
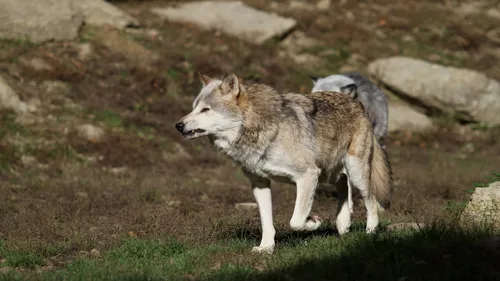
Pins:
x,y
335,83
215,109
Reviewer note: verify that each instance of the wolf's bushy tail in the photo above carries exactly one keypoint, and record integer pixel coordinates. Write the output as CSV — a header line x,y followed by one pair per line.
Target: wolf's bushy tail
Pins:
x,y
380,176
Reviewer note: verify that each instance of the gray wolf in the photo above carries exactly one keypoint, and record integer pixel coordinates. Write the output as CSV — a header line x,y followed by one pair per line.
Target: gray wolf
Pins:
x,y
293,138
362,89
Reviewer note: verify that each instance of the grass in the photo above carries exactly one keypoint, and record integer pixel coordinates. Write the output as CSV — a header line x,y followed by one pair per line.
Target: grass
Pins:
x,y
437,252
109,118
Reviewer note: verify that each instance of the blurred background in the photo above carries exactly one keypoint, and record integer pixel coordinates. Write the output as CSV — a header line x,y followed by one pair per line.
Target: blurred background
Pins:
x,y
90,92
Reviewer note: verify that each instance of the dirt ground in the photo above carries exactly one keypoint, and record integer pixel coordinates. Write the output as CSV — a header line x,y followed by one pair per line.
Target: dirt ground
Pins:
x,y
60,191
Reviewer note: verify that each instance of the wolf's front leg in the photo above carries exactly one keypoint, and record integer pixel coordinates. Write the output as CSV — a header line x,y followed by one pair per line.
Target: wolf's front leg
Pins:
x,y
262,192
306,188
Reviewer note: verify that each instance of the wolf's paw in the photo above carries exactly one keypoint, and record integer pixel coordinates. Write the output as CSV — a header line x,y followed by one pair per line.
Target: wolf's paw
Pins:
x,y
264,250
342,229
371,229
312,223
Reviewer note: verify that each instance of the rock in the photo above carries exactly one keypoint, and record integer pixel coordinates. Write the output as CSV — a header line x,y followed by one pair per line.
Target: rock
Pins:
x,y
233,18
98,12
300,5
405,226
85,51
483,207
90,133
463,93
39,21
494,35
36,64
247,206
9,99
402,117
55,87
323,5
95,253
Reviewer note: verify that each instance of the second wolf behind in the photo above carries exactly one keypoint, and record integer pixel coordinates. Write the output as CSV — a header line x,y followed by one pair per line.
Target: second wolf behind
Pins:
x,y
301,139
362,89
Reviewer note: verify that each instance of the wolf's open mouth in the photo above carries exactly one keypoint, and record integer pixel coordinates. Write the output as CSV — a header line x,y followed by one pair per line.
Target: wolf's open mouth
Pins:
x,y
192,132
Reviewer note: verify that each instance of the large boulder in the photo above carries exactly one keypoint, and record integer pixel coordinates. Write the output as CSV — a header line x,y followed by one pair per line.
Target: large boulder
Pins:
x,y
99,12
484,206
233,18
404,118
39,21
9,99
463,93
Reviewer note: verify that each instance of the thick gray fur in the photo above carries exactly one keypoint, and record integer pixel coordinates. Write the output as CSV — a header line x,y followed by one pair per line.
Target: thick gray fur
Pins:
x,y
372,98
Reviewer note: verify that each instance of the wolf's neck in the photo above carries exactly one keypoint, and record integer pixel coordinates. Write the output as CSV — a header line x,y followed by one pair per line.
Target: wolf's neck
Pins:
x,y
226,140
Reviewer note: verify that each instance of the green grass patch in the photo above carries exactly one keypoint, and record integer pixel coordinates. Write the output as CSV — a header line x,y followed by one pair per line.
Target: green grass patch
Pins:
x,y
109,118
436,252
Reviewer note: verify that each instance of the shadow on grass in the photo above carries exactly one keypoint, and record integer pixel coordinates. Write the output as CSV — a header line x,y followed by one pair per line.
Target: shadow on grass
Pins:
x,y
434,253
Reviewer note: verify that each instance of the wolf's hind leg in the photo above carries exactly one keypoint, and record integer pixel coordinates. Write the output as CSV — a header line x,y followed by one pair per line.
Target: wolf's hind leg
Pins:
x,y
306,188
262,192
343,221
358,174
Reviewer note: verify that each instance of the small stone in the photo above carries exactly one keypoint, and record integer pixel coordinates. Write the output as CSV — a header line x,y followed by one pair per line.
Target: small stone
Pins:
x,y
82,194
27,160
85,51
95,253
408,38
36,64
323,5
173,203
9,98
90,132
246,206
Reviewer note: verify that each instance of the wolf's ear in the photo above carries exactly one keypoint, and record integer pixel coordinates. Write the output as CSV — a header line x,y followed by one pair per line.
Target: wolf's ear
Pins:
x,y
205,80
350,90
230,85
314,78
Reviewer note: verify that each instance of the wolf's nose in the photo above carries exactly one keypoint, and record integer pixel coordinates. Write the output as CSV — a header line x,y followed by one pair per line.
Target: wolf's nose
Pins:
x,y
180,126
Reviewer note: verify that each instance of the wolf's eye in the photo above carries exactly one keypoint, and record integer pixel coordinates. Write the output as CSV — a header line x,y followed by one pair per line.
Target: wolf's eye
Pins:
x,y
205,109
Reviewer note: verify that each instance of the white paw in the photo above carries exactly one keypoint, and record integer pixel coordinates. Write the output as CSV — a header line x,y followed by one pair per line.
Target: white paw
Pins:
x,y
371,229
342,229
312,223
264,250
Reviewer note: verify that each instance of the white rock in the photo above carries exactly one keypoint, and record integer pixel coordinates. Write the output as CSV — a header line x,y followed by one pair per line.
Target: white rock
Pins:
x,y
402,117
463,93
90,132
36,64
484,206
233,18
85,51
246,206
323,5
55,87
39,21
9,99
98,12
